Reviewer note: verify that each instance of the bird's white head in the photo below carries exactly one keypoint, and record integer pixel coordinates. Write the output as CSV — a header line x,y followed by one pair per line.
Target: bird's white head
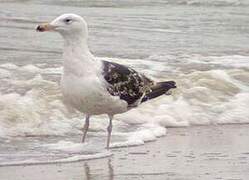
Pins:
x,y
68,25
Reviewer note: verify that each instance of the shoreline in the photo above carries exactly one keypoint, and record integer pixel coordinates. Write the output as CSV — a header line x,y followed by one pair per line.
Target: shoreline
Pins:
x,y
199,152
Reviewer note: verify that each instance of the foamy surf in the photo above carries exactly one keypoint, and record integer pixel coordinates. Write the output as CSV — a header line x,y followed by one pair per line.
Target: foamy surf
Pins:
x,y
34,160
37,151
37,128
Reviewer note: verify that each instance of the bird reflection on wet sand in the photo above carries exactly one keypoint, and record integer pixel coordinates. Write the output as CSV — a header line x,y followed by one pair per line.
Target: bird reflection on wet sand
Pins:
x,y
90,176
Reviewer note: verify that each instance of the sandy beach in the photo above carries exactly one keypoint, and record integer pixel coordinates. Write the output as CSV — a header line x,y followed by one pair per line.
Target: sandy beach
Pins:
x,y
203,152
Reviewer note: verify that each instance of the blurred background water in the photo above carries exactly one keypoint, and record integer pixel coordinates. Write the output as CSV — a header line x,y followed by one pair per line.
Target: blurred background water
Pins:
x,y
201,44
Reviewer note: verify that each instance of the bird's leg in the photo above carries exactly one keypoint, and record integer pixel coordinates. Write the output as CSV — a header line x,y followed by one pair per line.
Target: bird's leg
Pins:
x,y
109,130
85,129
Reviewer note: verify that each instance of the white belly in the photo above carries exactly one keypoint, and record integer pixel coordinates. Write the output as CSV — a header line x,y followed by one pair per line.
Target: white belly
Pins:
x,y
88,95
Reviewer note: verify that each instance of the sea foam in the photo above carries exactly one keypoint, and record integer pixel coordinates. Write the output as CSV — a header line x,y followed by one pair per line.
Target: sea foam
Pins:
x,y
31,103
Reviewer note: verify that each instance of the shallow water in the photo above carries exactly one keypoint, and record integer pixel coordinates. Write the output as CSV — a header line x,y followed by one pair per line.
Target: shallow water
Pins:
x,y
202,45
192,153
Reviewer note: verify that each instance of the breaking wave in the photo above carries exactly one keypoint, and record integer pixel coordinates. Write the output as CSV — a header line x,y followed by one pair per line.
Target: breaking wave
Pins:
x,y
211,90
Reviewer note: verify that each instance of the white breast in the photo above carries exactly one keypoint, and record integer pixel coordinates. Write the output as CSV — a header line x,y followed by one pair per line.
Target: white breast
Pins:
x,y
89,95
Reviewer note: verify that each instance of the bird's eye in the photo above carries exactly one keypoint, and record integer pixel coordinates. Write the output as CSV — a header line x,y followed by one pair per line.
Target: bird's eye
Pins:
x,y
68,21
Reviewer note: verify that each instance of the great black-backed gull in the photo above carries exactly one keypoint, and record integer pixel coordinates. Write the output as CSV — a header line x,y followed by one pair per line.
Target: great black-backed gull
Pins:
x,y
98,87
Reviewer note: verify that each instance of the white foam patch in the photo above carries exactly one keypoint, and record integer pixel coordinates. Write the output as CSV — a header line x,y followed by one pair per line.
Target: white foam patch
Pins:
x,y
55,71
9,66
169,121
67,146
149,132
234,61
132,142
74,158
235,110
4,74
39,111
30,68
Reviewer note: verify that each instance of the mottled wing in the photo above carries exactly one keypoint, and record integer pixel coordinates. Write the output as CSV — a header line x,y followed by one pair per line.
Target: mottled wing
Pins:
x,y
125,82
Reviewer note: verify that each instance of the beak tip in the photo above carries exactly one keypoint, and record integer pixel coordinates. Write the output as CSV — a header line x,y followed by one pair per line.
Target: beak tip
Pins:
x,y
39,28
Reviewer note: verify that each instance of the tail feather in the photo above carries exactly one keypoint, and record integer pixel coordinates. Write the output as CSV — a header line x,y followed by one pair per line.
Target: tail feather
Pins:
x,y
159,89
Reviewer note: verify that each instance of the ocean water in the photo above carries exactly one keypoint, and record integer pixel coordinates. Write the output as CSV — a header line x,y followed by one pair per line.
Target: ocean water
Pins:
x,y
200,44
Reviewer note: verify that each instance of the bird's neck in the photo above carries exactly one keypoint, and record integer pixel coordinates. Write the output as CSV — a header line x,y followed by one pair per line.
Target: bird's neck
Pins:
x,y
76,42
78,59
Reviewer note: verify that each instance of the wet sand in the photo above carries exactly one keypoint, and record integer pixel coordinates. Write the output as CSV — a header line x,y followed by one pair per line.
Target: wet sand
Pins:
x,y
204,152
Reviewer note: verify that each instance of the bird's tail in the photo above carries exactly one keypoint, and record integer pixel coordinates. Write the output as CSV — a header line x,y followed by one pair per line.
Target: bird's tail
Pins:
x,y
159,89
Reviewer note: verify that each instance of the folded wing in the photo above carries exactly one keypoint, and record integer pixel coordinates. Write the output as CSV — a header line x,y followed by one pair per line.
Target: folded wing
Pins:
x,y
131,86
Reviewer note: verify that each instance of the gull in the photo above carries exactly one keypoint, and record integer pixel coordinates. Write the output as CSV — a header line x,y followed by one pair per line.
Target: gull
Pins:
x,y
95,86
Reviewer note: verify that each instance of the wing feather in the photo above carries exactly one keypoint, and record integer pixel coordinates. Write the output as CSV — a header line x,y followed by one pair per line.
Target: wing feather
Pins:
x,y
125,82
